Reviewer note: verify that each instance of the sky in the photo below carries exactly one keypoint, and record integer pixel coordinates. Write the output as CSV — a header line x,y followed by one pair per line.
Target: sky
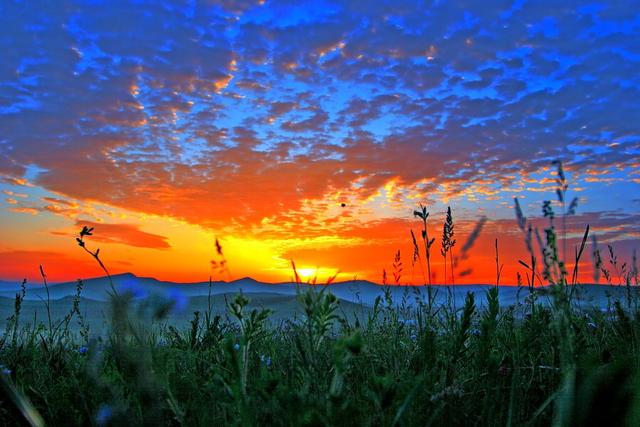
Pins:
x,y
311,131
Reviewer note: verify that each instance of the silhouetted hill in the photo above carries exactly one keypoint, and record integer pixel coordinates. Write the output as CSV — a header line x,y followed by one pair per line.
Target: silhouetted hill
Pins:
x,y
356,291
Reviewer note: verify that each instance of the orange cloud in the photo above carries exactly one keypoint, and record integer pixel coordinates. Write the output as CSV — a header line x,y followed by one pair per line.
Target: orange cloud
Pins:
x,y
26,210
126,234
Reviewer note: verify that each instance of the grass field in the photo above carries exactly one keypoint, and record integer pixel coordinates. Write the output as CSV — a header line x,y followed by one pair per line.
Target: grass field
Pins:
x,y
420,366
311,358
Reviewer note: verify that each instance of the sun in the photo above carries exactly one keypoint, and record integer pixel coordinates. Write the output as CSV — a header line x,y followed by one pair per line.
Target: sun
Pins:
x,y
306,273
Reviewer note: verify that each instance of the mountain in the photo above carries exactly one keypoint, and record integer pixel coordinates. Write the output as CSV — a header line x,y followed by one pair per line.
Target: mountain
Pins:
x,y
356,298
355,291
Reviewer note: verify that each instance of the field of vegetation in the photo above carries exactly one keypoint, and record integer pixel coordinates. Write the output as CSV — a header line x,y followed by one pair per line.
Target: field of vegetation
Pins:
x,y
539,362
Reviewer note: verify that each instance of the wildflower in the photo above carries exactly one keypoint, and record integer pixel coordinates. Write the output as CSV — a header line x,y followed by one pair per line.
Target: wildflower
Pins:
x,y
475,332
104,414
83,350
413,337
266,360
180,301
133,288
4,370
236,346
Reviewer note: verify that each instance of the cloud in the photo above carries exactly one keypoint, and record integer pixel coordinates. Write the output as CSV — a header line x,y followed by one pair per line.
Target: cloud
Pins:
x,y
20,209
126,234
233,113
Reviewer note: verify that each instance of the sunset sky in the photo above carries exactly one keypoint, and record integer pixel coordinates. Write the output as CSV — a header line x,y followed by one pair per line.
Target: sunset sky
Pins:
x,y
166,125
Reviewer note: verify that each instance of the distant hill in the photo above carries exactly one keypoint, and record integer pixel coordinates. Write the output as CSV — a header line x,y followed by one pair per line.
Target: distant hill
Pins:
x,y
359,292
97,313
356,298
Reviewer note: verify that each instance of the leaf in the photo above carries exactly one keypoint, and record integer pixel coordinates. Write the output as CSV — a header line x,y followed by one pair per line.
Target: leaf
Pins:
x,y
573,206
524,264
22,402
584,241
86,231
522,220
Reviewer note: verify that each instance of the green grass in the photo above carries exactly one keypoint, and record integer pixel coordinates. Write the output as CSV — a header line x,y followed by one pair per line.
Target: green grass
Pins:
x,y
494,366
318,361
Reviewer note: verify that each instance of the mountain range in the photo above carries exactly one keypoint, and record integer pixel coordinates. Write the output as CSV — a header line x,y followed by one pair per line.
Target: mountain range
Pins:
x,y
360,292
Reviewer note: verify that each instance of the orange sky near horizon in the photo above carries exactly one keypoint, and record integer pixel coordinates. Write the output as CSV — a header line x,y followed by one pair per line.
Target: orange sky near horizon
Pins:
x,y
174,250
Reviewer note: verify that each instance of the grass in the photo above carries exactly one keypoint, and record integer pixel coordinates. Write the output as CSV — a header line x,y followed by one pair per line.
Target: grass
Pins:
x,y
490,366
532,363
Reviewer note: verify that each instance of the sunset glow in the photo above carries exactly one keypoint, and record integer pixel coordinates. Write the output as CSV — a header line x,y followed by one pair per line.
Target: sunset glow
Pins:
x,y
310,132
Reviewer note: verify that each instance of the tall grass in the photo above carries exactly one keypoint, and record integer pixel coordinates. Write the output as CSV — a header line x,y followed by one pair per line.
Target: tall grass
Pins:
x,y
448,242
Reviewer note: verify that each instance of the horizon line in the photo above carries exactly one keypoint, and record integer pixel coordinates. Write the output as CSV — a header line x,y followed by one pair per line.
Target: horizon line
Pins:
x,y
307,283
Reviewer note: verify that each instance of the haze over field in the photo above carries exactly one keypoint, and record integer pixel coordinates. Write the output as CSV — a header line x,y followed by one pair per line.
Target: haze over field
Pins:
x,y
356,299
310,132
360,292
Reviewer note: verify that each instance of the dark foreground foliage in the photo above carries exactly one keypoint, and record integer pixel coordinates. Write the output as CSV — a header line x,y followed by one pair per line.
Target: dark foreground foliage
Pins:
x,y
421,366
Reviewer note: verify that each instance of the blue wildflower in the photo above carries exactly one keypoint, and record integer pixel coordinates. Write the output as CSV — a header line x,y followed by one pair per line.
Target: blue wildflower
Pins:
x,y
179,299
104,414
83,350
236,346
266,360
135,289
4,370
